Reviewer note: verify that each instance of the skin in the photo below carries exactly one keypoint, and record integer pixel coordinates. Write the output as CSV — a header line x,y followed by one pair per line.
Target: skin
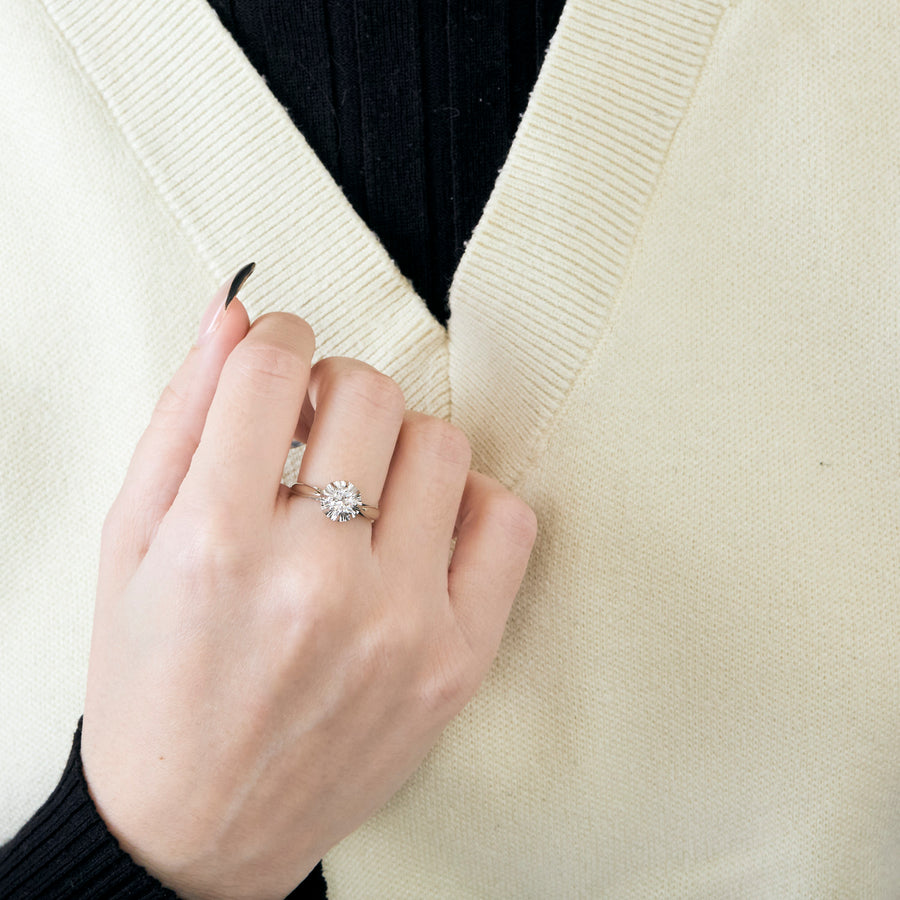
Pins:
x,y
261,679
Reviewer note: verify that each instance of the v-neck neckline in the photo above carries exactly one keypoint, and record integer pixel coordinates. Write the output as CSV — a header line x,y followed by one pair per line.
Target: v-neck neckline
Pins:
x,y
543,264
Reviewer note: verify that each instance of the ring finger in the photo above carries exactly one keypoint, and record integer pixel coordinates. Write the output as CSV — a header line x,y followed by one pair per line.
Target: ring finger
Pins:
x,y
357,414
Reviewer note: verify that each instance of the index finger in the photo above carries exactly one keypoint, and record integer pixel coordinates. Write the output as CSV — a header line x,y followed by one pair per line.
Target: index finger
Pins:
x,y
240,459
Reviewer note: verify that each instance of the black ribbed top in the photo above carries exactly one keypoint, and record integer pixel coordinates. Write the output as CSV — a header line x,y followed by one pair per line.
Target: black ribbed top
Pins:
x,y
412,106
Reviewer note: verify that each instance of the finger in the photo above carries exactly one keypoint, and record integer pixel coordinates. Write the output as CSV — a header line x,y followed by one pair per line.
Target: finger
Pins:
x,y
421,497
358,414
164,452
301,432
240,459
495,533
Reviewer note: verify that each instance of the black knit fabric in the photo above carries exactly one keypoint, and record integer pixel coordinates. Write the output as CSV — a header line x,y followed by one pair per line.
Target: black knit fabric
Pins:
x,y
411,105
65,850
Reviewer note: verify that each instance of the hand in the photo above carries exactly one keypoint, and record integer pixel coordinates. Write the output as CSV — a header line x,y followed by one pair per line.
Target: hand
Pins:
x,y
263,679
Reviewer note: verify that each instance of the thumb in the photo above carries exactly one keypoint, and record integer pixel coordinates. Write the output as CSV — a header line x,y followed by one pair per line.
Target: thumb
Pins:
x,y
165,450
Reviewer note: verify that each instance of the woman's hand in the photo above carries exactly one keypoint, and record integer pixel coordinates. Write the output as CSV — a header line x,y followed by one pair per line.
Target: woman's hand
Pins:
x,y
263,679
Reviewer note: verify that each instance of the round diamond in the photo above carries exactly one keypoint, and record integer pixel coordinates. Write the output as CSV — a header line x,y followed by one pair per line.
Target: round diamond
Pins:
x,y
340,501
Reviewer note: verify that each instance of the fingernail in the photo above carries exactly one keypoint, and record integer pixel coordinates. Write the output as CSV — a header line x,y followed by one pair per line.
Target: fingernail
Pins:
x,y
215,312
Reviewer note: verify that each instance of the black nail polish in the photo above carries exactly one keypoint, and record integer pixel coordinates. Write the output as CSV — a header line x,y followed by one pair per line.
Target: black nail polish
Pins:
x,y
238,282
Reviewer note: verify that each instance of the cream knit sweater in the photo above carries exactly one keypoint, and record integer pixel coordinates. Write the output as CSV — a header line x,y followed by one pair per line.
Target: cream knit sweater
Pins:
x,y
675,332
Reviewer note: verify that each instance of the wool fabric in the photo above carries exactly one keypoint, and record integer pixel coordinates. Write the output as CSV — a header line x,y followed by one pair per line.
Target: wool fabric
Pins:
x,y
411,105
674,332
383,120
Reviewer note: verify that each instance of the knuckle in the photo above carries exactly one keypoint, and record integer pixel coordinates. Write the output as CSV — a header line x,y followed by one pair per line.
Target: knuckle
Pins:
x,y
515,518
448,686
380,651
325,590
298,603
267,366
172,402
281,323
369,387
443,440
200,545
395,641
196,548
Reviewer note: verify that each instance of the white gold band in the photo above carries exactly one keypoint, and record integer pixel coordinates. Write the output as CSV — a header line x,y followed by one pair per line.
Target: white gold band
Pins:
x,y
340,500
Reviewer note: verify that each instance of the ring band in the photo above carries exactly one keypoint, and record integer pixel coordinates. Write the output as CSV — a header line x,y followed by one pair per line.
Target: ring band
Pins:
x,y
340,500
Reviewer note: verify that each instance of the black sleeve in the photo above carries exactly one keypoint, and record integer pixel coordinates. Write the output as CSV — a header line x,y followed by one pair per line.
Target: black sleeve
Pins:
x,y
66,851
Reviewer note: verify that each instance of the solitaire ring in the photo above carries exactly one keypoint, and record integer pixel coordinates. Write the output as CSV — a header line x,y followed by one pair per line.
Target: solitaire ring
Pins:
x,y
340,500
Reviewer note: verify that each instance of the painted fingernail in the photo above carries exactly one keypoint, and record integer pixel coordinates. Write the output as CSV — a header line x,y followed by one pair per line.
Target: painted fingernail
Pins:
x,y
238,282
215,311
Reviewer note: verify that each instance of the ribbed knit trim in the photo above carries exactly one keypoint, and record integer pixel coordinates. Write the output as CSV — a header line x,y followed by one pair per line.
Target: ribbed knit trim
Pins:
x,y
244,184
533,295
65,850
545,261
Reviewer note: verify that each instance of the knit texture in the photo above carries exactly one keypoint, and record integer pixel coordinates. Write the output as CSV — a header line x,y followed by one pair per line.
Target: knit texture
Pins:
x,y
673,332
411,105
65,851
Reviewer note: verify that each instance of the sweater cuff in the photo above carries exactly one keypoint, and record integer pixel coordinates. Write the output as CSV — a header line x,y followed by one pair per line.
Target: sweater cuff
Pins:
x,y
65,850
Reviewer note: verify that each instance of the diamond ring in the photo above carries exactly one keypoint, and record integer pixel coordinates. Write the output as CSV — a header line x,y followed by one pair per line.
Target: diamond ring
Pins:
x,y
340,500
